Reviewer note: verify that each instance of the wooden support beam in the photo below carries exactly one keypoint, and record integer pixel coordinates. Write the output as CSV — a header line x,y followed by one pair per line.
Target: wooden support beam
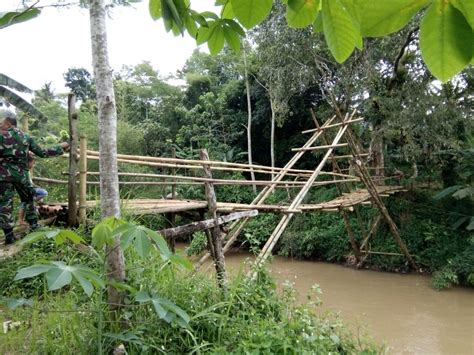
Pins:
x,y
319,147
83,180
73,158
216,239
349,156
206,224
350,233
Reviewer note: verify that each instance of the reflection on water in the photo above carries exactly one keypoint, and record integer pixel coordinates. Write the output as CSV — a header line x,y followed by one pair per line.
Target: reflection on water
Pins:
x,y
401,310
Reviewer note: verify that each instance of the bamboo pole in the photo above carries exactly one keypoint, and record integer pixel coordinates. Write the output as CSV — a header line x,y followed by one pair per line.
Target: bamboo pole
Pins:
x,y
83,180
350,232
236,228
216,239
319,147
197,164
318,129
366,178
73,158
172,215
269,245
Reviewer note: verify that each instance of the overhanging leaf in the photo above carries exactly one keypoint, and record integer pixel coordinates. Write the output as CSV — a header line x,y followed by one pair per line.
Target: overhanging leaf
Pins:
x,y
154,6
215,42
379,18
232,39
302,13
14,17
141,242
339,30
446,40
101,235
251,12
467,9
5,80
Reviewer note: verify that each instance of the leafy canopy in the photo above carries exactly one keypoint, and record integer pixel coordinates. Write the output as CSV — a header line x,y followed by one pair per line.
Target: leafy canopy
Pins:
x,y
446,28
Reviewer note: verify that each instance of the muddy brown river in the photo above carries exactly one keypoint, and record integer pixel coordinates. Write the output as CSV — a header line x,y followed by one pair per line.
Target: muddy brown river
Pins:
x,y
401,311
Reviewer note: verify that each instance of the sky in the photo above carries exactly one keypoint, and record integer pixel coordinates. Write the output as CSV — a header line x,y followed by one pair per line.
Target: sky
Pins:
x,y
41,50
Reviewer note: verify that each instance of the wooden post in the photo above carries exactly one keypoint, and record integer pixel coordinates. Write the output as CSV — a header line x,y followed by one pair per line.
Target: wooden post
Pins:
x,y
73,142
216,240
83,180
350,232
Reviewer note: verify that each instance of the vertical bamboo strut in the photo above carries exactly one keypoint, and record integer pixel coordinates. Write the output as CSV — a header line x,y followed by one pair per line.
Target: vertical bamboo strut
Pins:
x,y
269,245
365,177
350,232
216,240
237,226
83,180
172,216
73,158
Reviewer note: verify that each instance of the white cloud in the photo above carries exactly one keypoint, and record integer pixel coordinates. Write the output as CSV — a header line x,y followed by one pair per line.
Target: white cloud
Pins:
x,y
42,49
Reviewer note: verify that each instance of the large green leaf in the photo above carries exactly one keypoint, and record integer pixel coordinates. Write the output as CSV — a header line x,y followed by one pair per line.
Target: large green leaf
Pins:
x,y
467,9
232,38
251,12
31,271
446,40
339,30
379,18
59,276
164,308
102,235
14,17
215,42
141,243
302,13
5,80
21,104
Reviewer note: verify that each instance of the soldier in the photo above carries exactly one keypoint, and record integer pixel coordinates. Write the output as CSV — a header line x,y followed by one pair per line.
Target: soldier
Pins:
x,y
15,146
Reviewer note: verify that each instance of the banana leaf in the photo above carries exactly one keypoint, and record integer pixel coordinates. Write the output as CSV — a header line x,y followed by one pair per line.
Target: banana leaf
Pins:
x,y
21,104
5,80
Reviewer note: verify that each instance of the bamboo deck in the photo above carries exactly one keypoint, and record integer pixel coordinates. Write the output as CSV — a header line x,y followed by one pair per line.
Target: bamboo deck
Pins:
x,y
152,206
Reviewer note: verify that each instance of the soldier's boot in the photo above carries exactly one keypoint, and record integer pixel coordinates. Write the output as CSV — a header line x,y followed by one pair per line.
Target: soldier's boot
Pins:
x,y
9,236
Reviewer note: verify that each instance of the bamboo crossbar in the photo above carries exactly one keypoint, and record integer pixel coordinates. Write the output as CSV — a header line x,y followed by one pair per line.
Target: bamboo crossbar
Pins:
x,y
319,147
262,169
332,125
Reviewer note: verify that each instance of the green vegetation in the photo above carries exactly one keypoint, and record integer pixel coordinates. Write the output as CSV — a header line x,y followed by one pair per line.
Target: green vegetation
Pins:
x,y
166,308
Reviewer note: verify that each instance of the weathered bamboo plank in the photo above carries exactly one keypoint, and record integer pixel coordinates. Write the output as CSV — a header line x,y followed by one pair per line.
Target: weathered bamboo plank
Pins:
x,y
319,147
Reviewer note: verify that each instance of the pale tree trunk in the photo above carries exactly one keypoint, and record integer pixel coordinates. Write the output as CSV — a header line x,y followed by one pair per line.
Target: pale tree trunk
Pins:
x,y
109,190
272,136
376,157
249,121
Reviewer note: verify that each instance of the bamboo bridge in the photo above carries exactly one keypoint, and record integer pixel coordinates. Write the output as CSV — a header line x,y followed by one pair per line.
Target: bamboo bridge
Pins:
x,y
356,188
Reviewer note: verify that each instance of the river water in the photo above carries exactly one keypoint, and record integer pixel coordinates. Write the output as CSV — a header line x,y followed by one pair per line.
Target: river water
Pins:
x,y
402,311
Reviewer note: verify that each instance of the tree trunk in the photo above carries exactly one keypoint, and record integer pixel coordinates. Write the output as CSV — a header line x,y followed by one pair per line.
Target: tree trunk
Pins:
x,y
376,156
109,188
272,136
249,120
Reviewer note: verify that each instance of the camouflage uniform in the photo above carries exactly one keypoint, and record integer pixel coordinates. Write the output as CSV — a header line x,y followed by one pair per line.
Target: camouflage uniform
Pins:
x,y
14,175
